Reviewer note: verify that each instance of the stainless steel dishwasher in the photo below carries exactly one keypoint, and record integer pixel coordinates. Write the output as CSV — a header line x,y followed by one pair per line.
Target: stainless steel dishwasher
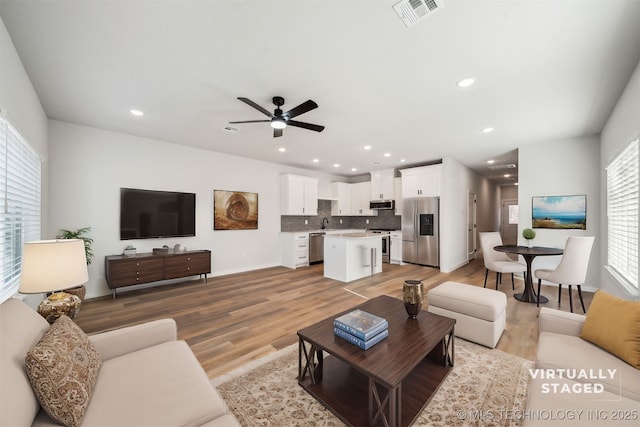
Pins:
x,y
316,247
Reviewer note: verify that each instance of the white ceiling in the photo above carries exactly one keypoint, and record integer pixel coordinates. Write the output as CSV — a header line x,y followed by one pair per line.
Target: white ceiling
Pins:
x,y
545,70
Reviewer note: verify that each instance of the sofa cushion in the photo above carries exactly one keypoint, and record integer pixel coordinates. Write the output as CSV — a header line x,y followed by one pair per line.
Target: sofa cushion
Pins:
x,y
62,369
614,324
159,386
20,329
548,407
558,351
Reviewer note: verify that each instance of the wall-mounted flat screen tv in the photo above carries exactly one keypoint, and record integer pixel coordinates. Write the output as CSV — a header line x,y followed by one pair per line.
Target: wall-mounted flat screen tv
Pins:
x,y
146,214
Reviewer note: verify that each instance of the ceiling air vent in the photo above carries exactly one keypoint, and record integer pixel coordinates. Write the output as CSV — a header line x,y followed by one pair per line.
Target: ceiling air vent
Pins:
x,y
498,167
411,11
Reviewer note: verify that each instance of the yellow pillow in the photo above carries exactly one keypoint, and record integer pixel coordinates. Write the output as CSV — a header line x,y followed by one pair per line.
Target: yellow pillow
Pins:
x,y
614,324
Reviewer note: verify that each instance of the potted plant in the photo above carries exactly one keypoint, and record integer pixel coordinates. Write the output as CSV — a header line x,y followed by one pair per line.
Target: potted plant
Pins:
x,y
80,233
529,235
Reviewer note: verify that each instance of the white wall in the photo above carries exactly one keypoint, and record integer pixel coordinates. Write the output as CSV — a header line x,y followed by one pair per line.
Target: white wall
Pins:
x,y
90,165
622,127
20,105
457,182
557,168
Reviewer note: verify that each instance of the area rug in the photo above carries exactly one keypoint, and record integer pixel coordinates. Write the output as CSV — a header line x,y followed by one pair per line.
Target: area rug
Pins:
x,y
485,388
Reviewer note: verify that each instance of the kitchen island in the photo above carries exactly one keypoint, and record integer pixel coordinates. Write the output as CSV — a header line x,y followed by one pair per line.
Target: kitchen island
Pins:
x,y
351,256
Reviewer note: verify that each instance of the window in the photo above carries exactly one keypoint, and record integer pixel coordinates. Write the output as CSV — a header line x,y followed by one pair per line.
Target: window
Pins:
x,y
20,173
622,216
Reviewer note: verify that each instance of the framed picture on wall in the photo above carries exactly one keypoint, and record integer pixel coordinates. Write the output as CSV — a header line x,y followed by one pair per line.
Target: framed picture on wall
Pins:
x,y
235,210
559,212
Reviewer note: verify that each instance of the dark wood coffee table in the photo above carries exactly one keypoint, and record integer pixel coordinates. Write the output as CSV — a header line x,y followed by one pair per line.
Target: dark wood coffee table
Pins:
x,y
388,384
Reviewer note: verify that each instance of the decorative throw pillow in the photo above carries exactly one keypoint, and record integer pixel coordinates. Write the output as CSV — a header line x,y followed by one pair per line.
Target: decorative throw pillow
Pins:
x,y
63,368
614,324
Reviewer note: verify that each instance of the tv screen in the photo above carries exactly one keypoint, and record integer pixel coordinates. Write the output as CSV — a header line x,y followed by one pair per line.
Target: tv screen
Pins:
x,y
146,214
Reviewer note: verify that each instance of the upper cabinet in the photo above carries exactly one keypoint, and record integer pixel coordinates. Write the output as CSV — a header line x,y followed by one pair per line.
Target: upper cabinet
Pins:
x,y
360,194
423,181
398,185
383,184
341,191
298,195
351,199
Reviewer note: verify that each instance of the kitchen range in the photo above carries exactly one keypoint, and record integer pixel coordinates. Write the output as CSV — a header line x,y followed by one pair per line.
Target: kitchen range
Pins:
x,y
386,242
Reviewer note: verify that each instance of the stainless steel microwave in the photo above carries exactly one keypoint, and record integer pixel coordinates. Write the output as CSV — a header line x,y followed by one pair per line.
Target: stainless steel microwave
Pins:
x,y
382,204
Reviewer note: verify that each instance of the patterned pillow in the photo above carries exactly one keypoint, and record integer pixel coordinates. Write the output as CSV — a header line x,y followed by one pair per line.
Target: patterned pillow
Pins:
x,y
63,368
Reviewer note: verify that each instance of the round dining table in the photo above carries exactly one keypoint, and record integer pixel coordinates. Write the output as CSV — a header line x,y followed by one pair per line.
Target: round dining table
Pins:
x,y
529,253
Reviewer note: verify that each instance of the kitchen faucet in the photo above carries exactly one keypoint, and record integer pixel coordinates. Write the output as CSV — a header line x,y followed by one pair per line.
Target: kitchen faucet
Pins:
x,y
324,225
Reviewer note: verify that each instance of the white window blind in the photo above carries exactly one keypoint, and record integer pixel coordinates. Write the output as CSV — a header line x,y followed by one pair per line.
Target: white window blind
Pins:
x,y
622,215
20,170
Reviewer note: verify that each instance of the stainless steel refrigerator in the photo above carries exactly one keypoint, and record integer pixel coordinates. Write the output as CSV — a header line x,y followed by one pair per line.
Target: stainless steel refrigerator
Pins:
x,y
421,230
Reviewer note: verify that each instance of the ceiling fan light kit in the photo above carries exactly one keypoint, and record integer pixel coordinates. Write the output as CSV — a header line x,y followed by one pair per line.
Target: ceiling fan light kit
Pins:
x,y
278,124
279,120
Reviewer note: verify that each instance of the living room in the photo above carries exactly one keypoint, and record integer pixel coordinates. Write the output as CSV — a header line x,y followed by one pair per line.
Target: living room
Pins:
x,y
84,164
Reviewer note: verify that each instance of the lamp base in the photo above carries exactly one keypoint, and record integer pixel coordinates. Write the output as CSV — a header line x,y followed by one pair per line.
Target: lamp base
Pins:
x,y
57,304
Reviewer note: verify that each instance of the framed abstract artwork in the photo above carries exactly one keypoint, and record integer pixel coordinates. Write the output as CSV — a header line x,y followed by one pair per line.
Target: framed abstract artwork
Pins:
x,y
559,212
235,210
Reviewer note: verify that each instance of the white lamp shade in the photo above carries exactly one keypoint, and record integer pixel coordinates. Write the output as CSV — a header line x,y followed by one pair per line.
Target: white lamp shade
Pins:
x,y
53,265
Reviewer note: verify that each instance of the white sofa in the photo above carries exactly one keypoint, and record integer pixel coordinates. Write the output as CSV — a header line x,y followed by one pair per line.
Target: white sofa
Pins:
x,y
560,348
147,377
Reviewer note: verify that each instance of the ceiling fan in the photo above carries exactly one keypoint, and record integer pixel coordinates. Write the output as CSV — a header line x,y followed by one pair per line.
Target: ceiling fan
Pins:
x,y
280,120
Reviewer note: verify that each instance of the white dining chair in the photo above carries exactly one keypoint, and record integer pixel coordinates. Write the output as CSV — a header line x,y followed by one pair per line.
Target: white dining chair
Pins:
x,y
497,261
572,269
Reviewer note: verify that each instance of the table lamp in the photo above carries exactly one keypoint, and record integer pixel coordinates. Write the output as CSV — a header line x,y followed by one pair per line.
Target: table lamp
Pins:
x,y
52,266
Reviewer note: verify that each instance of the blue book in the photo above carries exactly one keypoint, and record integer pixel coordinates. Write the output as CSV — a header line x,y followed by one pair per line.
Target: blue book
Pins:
x,y
365,345
361,324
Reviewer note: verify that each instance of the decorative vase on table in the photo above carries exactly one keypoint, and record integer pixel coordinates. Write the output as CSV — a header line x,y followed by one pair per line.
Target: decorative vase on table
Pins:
x,y
412,294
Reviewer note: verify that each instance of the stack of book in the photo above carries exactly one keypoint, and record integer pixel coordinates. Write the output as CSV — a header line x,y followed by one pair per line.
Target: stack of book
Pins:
x,y
361,328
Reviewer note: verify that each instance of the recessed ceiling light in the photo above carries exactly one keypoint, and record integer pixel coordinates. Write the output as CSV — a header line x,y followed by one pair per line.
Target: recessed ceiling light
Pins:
x,y
282,149
466,82
487,130
506,175
367,147
336,165
402,160
387,154
491,161
136,113
354,169
315,160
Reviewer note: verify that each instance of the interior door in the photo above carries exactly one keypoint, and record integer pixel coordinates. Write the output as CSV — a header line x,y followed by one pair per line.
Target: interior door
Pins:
x,y
471,227
509,226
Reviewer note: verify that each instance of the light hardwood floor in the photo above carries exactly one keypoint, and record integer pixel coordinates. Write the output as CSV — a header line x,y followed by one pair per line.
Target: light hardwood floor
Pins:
x,y
234,319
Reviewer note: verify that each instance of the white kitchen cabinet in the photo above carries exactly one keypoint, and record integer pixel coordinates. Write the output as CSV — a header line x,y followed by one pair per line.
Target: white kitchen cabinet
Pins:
x,y
360,194
342,192
422,181
398,192
383,184
395,255
294,249
298,195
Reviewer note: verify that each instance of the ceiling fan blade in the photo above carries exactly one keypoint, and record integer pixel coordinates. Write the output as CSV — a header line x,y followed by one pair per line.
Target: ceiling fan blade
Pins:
x,y
251,121
256,106
304,125
277,133
301,109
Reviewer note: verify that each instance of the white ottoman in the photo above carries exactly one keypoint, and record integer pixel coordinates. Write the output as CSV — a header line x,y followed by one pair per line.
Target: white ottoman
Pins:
x,y
480,313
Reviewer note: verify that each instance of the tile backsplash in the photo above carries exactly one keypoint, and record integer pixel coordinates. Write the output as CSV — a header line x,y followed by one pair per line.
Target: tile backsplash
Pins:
x,y
384,219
